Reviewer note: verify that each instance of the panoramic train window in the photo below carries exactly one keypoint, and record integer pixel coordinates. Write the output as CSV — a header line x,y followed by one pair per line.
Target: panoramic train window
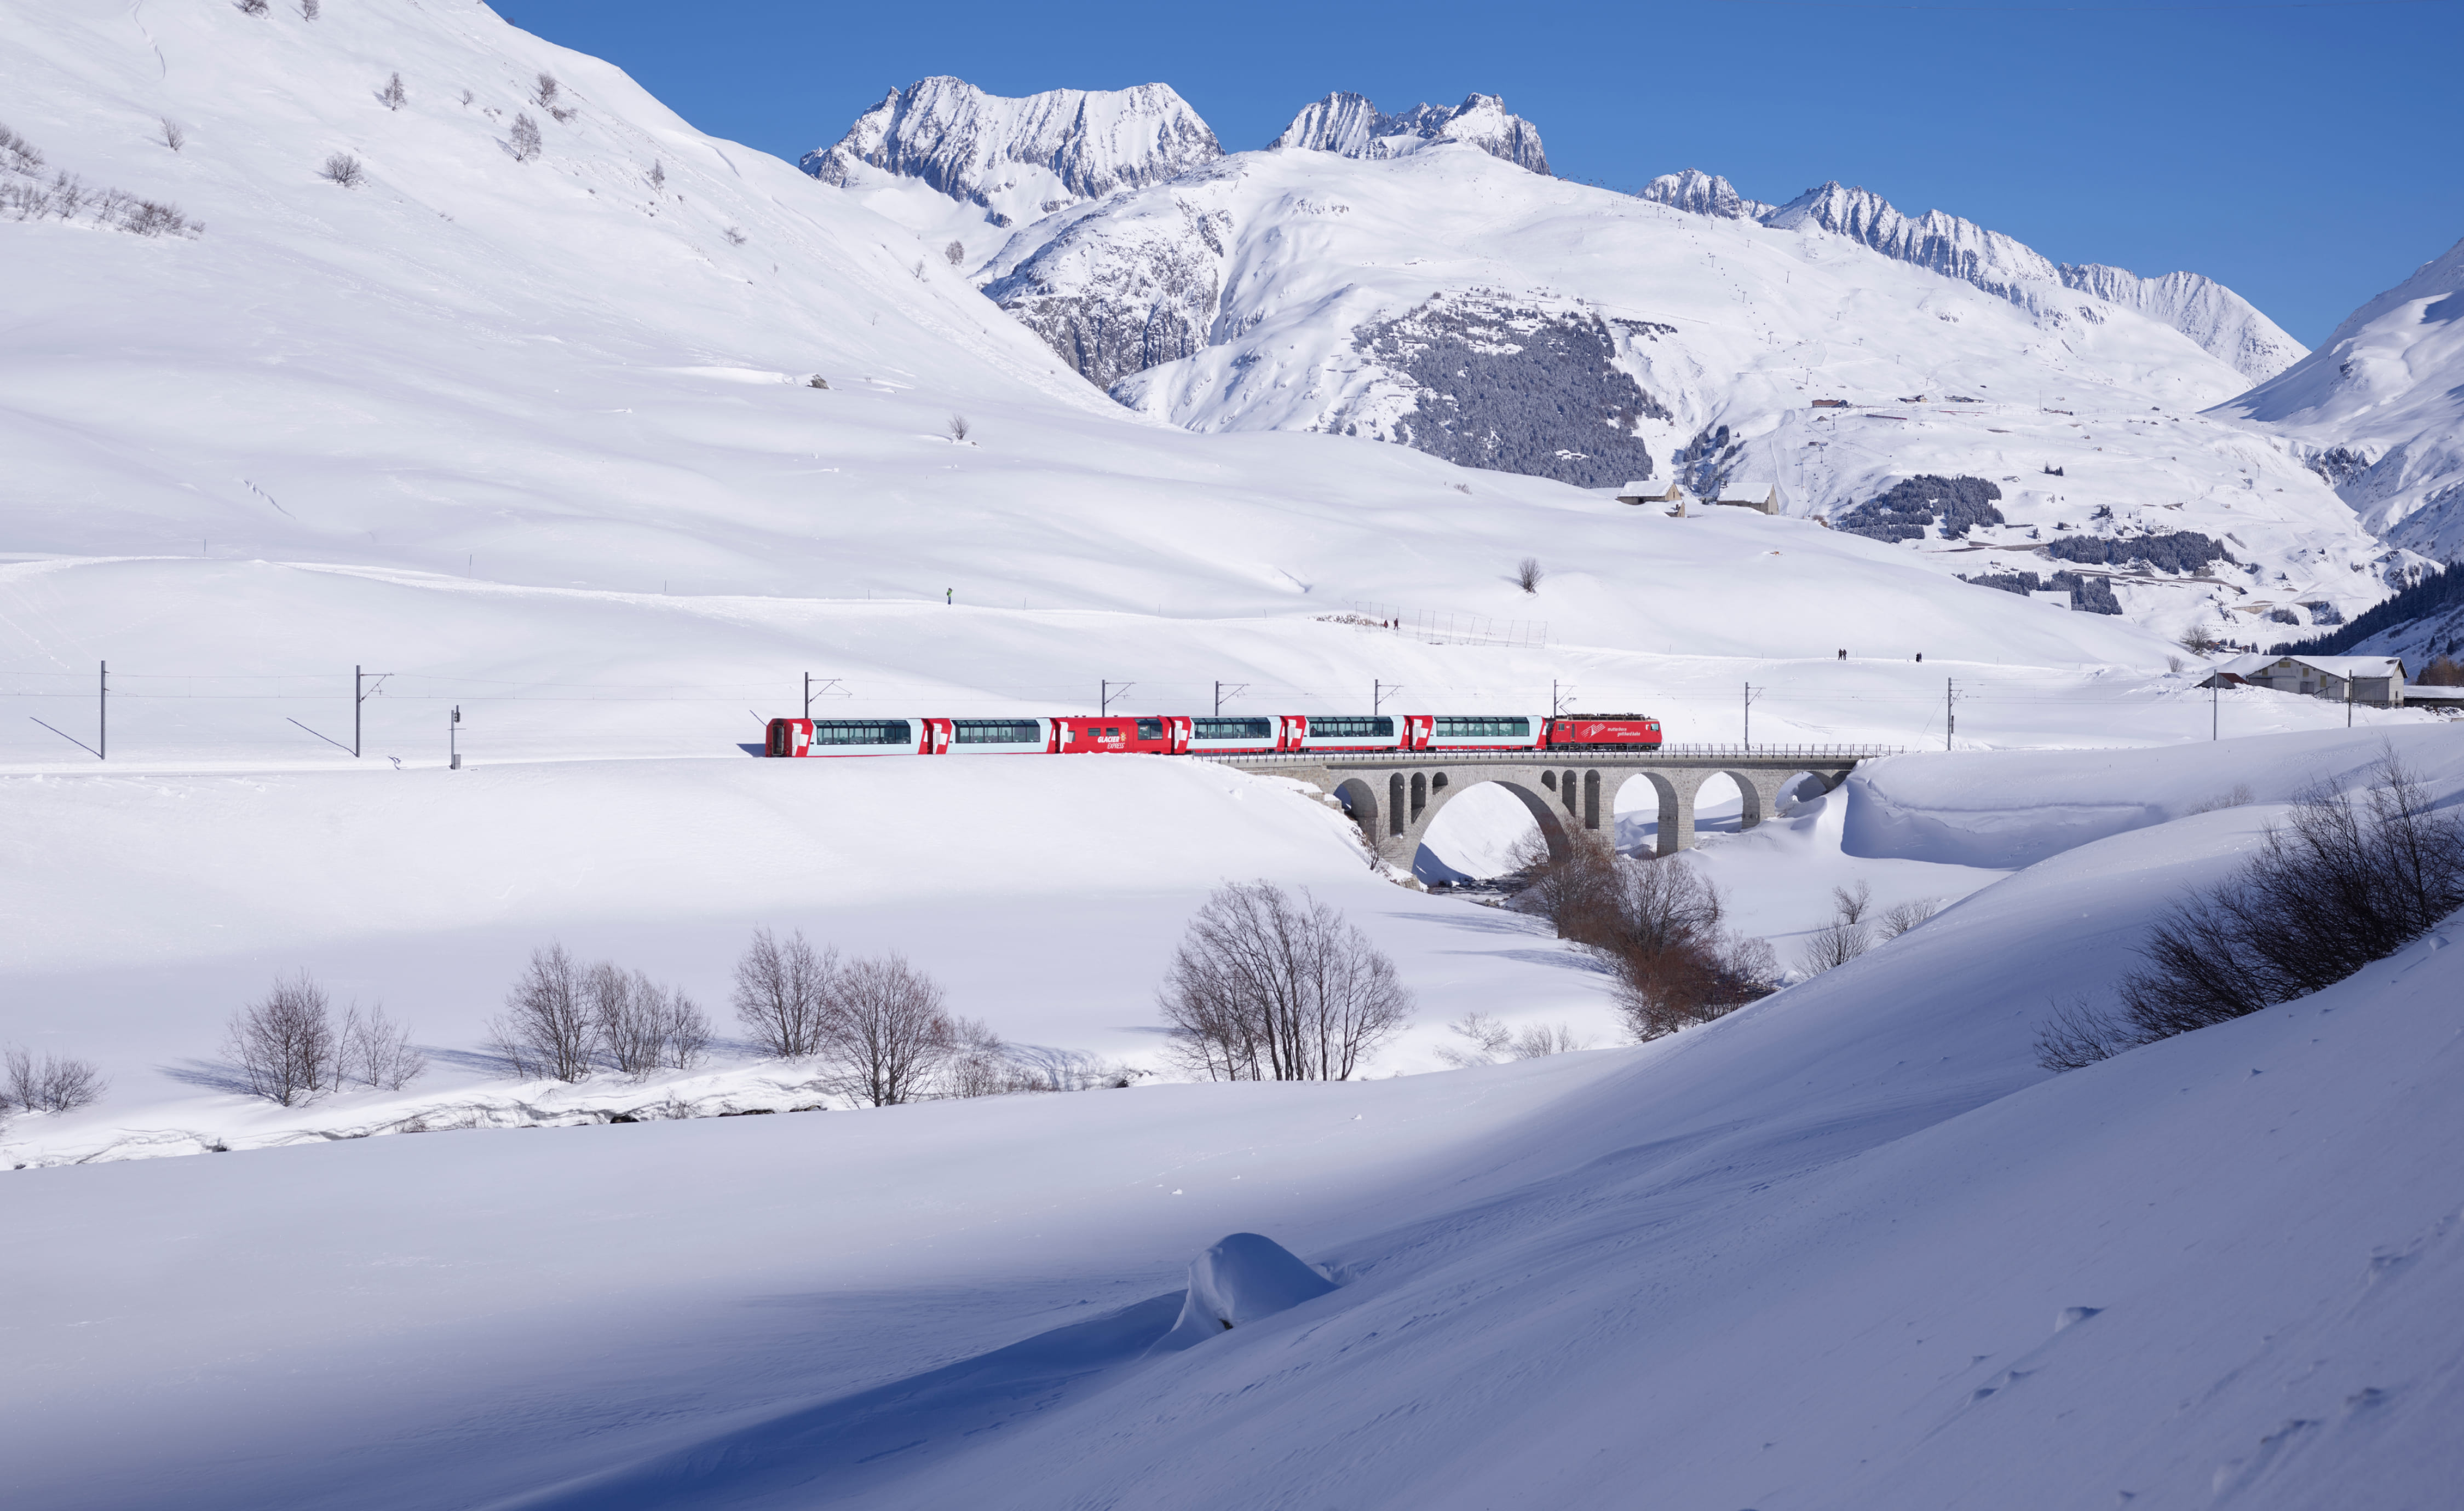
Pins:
x,y
996,732
1483,727
1351,729
865,732
1233,728
1150,729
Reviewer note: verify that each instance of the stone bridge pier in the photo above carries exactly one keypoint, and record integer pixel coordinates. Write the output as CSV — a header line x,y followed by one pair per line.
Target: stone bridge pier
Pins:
x,y
1395,796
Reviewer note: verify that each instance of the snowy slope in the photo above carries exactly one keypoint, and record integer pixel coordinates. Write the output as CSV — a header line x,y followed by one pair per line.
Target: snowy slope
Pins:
x,y
1849,1247
2222,322
2379,410
1509,322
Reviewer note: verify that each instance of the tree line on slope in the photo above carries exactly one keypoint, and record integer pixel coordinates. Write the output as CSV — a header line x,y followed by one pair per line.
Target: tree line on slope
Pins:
x,y
2440,592
2349,878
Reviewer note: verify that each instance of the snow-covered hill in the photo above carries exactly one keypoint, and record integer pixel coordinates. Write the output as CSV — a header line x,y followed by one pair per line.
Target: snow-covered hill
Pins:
x,y
2379,410
1348,125
2222,322
1449,302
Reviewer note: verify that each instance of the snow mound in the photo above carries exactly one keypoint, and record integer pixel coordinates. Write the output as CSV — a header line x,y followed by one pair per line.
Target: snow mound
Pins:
x,y
1239,1279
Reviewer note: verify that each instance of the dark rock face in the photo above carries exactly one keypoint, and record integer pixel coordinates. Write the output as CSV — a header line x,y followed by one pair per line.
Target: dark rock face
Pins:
x,y
1114,308
2339,465
1515,390
1905,511
2089,594
2182,551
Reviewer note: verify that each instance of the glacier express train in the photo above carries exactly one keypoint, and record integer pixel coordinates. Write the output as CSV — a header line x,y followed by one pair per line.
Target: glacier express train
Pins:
x,y
1189,734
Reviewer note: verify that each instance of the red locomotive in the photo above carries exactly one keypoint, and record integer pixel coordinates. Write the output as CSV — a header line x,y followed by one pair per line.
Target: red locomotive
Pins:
x,y
1187,734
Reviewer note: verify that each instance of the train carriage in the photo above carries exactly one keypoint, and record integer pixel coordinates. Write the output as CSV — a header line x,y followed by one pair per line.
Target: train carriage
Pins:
x,y
1184,734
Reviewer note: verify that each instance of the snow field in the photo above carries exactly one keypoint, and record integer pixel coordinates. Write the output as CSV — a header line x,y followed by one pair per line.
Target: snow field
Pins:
x,y
1816,1254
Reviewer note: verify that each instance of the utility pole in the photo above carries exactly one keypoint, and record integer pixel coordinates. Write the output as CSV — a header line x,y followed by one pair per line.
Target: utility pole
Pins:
x,y
103,711
1377,694
1949,710
453,740
358,697
2348,701
2215,701
1752,693
1104,703
1238,689
823,688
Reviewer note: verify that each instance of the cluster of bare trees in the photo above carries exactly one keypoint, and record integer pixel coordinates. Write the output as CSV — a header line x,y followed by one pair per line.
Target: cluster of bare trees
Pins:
x,y
48,1084
1490,1042
345,169
1266,986
564,1020
27,194
288,1048
881,1027
1659,926
2350,878
1855,928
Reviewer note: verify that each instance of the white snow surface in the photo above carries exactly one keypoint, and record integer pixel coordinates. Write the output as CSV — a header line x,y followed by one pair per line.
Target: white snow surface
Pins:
x,y
1848,1247
2380,408
535,439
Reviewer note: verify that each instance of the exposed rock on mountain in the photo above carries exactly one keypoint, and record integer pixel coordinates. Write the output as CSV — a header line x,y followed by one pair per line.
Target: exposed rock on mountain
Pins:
x,y
1023,158
1349,125
2381,409
1703,195
2221,322
1116,297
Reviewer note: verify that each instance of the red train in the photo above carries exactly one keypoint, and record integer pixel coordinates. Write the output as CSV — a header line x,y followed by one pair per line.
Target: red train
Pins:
x,y
1186,735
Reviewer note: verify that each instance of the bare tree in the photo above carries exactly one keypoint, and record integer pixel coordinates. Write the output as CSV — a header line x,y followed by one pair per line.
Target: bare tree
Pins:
x,y
251,7
955,251
783,991
284,1045
659,175
1846,937
345,169
393,97
49,1084
375,1051
548,1027
1574,884
309,9
1527,574
889,1033
642,1027
523,141
1673,959
1492,1043
1267,987
959,428
174,134
1900,917
543,92
980,1064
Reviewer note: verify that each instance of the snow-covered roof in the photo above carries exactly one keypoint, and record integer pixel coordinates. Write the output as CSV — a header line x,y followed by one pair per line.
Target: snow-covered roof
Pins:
x,y
2346,668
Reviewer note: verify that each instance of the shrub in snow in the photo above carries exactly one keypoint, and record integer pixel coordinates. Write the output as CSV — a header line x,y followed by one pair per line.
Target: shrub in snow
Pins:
x,y
174,136
959,428
49,1084
1241,1280
284,1045
393,97
734,237
2350,878
252,7
25,195
523,141
309,10
955,251
1527,574
1846,937
544,92
1269,986
659,175
1900,917
1492,1043
345,169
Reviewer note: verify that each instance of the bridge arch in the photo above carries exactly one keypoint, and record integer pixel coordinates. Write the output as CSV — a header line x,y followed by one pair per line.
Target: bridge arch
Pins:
x,y
1538,798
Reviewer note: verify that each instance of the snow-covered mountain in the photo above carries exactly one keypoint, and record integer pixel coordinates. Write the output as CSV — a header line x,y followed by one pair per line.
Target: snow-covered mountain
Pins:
x,y
1348,125
2379,410
1021,159
1448,301
2226,325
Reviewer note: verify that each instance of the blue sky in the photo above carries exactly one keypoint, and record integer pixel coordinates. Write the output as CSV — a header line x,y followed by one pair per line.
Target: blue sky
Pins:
x,y
2306,154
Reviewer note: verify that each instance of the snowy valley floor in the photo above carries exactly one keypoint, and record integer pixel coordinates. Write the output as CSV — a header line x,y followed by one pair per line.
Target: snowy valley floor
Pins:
x,y
1818,1254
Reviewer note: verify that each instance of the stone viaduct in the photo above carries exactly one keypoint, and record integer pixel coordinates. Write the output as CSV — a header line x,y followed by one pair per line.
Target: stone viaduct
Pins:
x,y
1395,795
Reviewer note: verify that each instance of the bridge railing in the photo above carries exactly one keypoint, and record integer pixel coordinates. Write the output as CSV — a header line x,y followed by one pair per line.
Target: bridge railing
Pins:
x,y
1814,754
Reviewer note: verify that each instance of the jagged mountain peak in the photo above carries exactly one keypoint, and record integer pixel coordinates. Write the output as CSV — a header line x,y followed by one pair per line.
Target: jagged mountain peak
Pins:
x,y
1350,125
1024,157
1703,195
